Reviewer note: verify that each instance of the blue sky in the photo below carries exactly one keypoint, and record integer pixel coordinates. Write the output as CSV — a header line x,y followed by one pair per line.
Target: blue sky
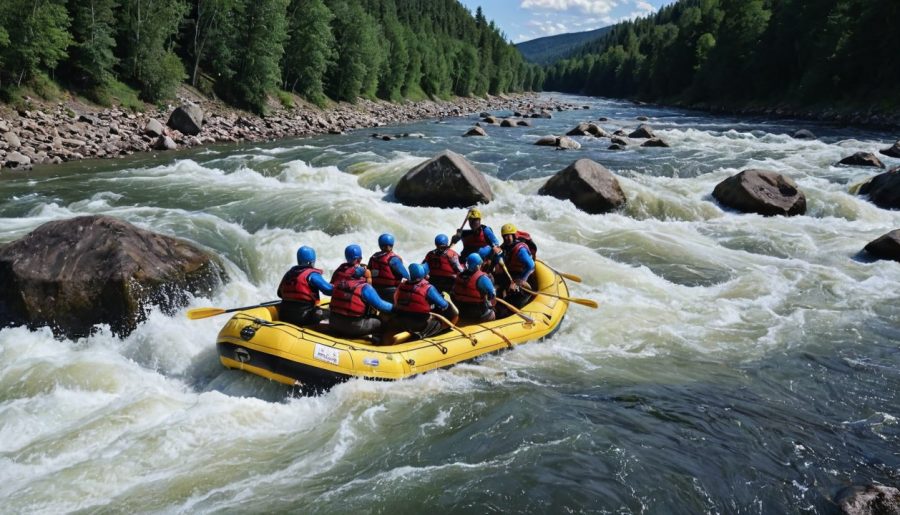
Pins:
x,y
522,20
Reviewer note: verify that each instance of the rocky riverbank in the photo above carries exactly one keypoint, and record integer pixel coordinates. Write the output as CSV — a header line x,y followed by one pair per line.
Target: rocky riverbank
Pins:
x,y
54,132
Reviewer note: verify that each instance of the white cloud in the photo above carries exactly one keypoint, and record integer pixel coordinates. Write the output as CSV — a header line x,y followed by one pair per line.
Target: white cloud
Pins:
x,y
587,6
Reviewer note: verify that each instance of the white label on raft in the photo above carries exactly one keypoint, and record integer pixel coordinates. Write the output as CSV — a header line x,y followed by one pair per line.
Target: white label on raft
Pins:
x,y
327,354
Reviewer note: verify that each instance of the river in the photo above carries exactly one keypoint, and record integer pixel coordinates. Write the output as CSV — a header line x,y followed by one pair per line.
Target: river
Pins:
x,y
737,364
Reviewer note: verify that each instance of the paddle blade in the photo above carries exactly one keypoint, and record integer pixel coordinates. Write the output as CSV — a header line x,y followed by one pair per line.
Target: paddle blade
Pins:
x,y
571,277
197,313
585,302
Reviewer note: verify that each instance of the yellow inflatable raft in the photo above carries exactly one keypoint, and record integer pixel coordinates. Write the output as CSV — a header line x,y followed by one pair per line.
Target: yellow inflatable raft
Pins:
x,y
256,342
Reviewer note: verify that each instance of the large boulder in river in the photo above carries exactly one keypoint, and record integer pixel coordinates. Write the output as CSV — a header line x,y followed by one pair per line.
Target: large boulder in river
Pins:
x,y
761,191
868,500
884,189
643,131
562,142
475,131
76,273
892,151
187,119
589,185
886,247
862,159
446,180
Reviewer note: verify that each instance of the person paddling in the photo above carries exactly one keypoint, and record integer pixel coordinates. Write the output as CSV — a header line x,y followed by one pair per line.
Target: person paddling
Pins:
x,y
473,292
299,290
353,306
519,260
414,302
477,236
387,268
443,264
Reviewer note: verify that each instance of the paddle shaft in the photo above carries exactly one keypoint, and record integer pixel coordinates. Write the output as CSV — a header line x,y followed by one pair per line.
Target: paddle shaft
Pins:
x,y
454,327
198,313
584,302
516,310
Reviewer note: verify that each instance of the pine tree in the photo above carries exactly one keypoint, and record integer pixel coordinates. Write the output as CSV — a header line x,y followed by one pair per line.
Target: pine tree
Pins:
x,y
262,30
148,31
309,49
92,59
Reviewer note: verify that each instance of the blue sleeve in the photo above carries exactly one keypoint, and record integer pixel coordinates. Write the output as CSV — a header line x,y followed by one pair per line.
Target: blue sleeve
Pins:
x,y
486,287
489,234
426,267
318,282
398,268
435,297
525,258
370,296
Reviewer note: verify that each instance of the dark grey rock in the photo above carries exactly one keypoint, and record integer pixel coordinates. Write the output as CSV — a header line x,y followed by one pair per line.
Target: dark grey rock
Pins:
x,y
885,247
655,142
615,146
862,159
893,151
164,143
547,141
475,131
642,131
73,274
446,180
187,119
642,118
761,191
804,134
589,185
884,189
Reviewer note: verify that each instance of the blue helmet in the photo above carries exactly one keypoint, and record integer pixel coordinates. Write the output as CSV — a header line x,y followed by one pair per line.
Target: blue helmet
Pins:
x,y
352,253
416,272
473,261
484,252
358,272
441,240
306,256
386,239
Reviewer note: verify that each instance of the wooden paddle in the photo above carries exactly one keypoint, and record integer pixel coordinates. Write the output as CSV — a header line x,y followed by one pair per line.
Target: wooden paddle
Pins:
x,y
197,313
584,302
516,311
571,277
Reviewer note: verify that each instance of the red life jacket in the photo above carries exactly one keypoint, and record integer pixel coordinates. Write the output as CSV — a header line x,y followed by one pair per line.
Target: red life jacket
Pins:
x,y
382,274
343,273
439,264
295,285
412,298
465,289
347,298
513,263
473,240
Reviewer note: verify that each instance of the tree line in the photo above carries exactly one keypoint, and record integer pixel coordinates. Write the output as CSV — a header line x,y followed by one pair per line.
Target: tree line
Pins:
x,y
802,52
244,50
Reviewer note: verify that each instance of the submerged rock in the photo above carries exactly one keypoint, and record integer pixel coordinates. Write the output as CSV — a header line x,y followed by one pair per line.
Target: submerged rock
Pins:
x,y
655,142
475,131
589,185
643,131
884,189
862,159
562,142
761,191
804,134
893,151
885,247
74,274
446,180
868,500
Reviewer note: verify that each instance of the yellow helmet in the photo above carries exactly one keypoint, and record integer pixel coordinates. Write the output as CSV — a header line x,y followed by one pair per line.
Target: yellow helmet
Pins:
x,y
507,229
474,213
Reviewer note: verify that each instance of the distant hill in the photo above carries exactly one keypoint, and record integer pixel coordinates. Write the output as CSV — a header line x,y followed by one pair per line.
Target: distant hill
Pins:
x,y
552,48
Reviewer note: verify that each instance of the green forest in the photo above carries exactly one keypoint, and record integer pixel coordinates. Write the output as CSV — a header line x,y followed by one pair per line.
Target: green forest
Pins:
x,y
243,51
744,52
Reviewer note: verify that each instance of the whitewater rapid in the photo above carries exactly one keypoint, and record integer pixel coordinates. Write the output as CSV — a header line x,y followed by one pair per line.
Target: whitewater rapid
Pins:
x,y
737,362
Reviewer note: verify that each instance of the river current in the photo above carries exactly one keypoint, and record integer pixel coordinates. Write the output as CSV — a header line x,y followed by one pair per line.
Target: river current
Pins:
x,y
737,363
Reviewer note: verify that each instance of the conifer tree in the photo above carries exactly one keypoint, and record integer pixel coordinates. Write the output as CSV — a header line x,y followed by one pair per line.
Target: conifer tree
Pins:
x,y
147,39
91,56
261,29
309,49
